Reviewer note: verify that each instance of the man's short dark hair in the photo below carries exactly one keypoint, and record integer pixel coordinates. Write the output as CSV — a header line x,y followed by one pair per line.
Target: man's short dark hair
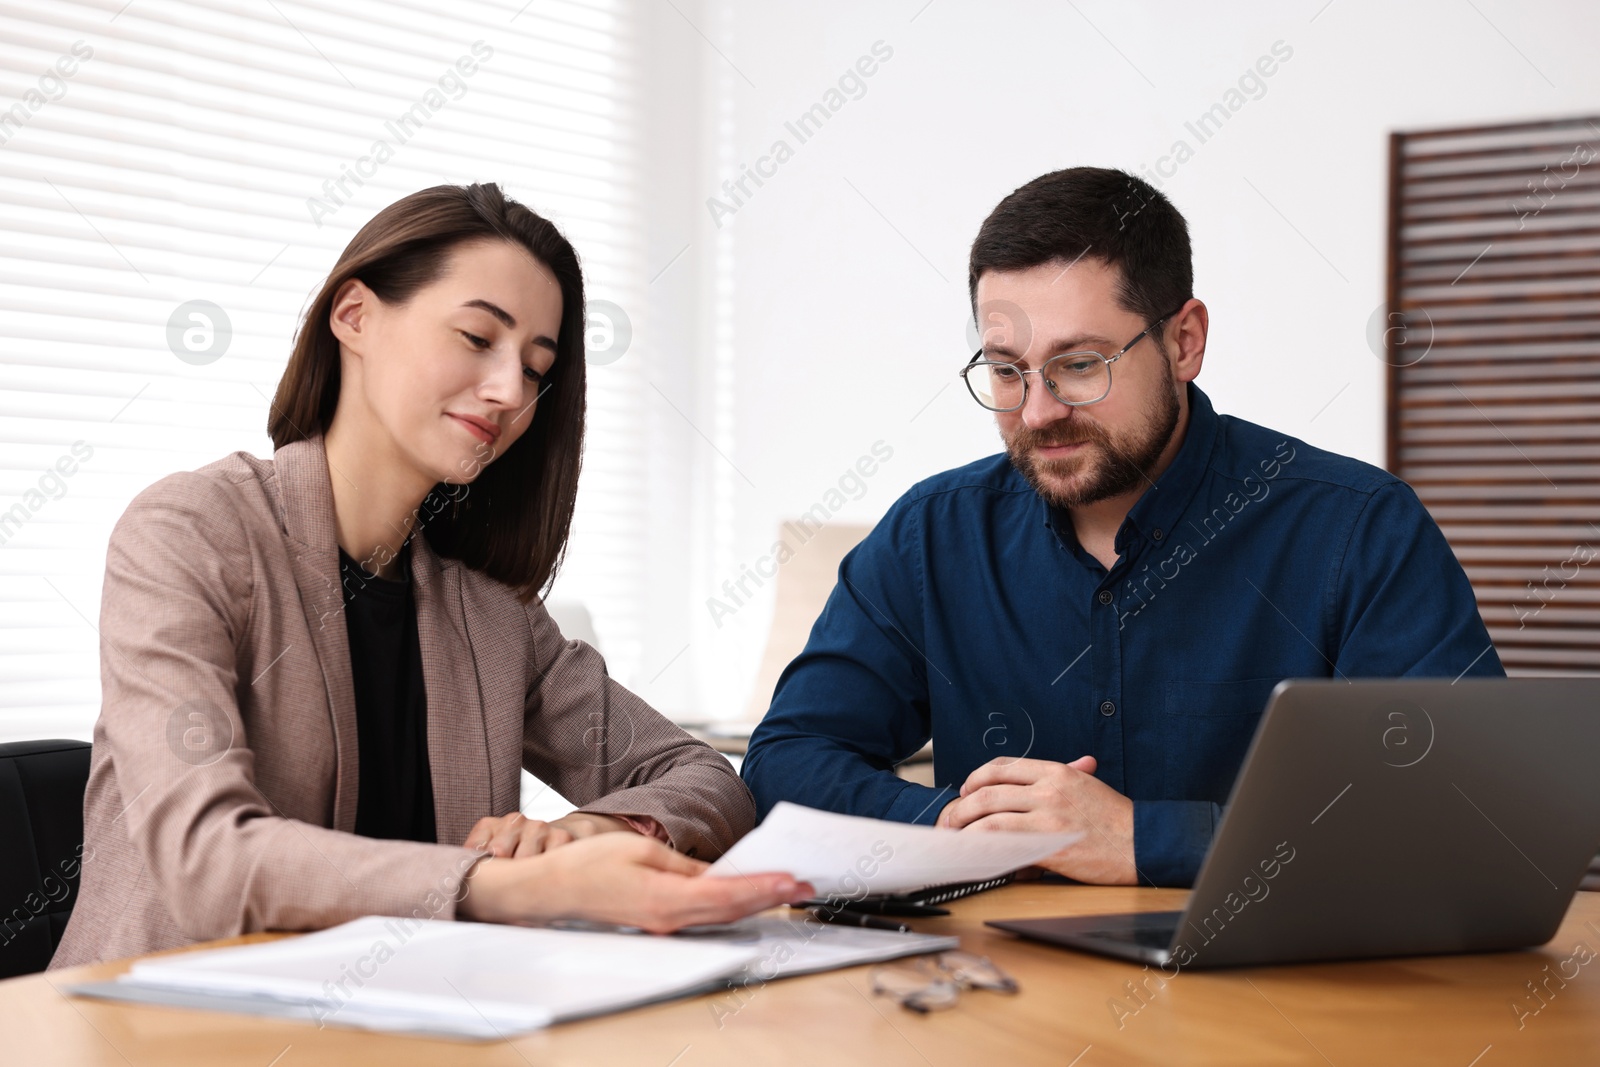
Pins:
x,y
1094,212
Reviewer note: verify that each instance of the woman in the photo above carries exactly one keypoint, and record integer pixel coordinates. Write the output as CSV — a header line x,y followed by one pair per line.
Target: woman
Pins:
x,y
311,713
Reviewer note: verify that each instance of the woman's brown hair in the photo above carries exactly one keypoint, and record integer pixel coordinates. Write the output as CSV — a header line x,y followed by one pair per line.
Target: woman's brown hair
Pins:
x,y
512,522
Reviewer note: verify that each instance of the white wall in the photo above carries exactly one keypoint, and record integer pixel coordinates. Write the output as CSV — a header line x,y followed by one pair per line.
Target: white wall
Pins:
x,y
846,297
828,312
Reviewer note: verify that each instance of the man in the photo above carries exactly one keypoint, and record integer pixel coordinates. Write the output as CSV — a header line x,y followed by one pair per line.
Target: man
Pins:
x,y
1088,626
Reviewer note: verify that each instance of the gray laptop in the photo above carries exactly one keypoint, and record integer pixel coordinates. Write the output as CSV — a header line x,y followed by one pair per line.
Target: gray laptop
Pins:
x,y
1385,818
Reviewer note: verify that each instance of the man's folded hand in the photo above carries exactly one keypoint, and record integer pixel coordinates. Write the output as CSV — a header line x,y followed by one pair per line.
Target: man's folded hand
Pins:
x,y
1032,794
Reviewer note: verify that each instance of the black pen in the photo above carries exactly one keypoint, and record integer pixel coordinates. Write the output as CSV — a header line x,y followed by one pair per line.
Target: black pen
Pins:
x,y
909,909
882,906
846,917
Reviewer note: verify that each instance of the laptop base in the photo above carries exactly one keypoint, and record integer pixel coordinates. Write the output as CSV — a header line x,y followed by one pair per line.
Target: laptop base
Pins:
x,y
1143,937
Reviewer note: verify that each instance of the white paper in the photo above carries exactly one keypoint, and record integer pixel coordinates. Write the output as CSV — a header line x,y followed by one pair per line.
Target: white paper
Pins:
x,y
468,979
280,979
853,856
787,946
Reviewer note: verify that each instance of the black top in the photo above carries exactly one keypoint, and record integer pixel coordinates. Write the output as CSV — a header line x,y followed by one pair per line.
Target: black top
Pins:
x,y
396,794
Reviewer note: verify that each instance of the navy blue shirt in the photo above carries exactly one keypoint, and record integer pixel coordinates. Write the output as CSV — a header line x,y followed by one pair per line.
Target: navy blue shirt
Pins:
x,y
971,615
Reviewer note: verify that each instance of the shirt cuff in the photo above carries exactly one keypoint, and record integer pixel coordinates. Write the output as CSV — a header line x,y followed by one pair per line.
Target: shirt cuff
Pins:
x,y
920,804
1170,838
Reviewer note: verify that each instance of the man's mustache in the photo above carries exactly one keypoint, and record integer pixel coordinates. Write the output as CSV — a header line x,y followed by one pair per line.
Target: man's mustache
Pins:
x,y
1026,440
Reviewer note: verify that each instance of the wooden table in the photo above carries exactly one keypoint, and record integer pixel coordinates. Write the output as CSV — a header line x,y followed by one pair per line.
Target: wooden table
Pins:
x,y
1073,1010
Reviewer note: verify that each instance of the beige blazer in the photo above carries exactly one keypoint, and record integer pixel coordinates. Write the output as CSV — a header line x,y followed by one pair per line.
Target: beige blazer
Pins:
x,y
223,782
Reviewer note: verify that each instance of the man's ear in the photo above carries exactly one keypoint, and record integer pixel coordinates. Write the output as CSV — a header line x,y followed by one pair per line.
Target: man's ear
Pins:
x,y
1188,345
350,318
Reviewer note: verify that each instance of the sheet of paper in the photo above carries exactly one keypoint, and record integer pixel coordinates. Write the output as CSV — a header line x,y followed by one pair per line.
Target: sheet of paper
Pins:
x,y
763,948
852,856
796,944
462,979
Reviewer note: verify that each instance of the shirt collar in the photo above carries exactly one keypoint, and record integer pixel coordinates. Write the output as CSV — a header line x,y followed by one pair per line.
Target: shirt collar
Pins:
x,y
1162,505
1155,513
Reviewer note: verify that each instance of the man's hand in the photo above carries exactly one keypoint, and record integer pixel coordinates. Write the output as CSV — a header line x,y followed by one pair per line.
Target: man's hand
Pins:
x,y
515,835
1032,794
626,879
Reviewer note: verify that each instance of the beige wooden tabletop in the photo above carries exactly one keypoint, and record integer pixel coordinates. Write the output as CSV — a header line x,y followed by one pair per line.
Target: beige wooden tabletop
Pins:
x,y
1074,1009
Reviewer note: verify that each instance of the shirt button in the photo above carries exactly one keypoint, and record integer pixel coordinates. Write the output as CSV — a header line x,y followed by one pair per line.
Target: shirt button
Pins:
x,y
1107,708
1157,534
1104,597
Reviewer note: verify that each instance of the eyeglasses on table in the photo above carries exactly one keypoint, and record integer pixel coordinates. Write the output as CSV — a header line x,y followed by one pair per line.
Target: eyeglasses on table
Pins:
x,y
933,983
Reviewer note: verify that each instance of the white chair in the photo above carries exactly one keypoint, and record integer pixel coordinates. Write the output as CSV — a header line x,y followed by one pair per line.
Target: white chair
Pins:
x,y
539,801
805,581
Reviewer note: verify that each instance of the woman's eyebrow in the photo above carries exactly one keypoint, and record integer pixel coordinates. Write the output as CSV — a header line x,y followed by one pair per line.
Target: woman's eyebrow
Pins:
x,y
508,320
494,309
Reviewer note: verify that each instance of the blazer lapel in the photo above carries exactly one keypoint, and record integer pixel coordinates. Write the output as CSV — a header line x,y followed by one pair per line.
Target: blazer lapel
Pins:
x,y
306,499
458,740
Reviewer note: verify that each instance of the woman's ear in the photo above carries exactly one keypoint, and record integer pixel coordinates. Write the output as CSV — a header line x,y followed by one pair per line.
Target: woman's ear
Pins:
x,y
350,318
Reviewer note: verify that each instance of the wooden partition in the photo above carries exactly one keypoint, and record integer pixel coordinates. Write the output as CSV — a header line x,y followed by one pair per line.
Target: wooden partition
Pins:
x,y
1492,338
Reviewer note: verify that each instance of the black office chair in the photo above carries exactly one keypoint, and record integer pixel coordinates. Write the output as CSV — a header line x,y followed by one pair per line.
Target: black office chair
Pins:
x,y
41,828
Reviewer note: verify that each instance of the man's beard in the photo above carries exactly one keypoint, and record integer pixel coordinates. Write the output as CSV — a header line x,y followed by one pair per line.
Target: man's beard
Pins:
x,y
1115,464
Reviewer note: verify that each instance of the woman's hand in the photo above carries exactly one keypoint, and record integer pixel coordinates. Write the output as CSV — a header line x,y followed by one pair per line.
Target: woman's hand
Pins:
x,y
516,835
625,879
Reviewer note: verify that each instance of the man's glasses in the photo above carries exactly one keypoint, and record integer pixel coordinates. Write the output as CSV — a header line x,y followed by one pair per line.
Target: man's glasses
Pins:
x,y
923,985
1074,378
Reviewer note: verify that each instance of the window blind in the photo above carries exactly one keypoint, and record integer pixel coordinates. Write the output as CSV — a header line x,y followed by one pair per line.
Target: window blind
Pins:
x,y
1493,346
159,153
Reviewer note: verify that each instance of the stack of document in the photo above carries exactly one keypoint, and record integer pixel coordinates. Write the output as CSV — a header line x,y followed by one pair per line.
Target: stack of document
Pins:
x,y
472,980
428,976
